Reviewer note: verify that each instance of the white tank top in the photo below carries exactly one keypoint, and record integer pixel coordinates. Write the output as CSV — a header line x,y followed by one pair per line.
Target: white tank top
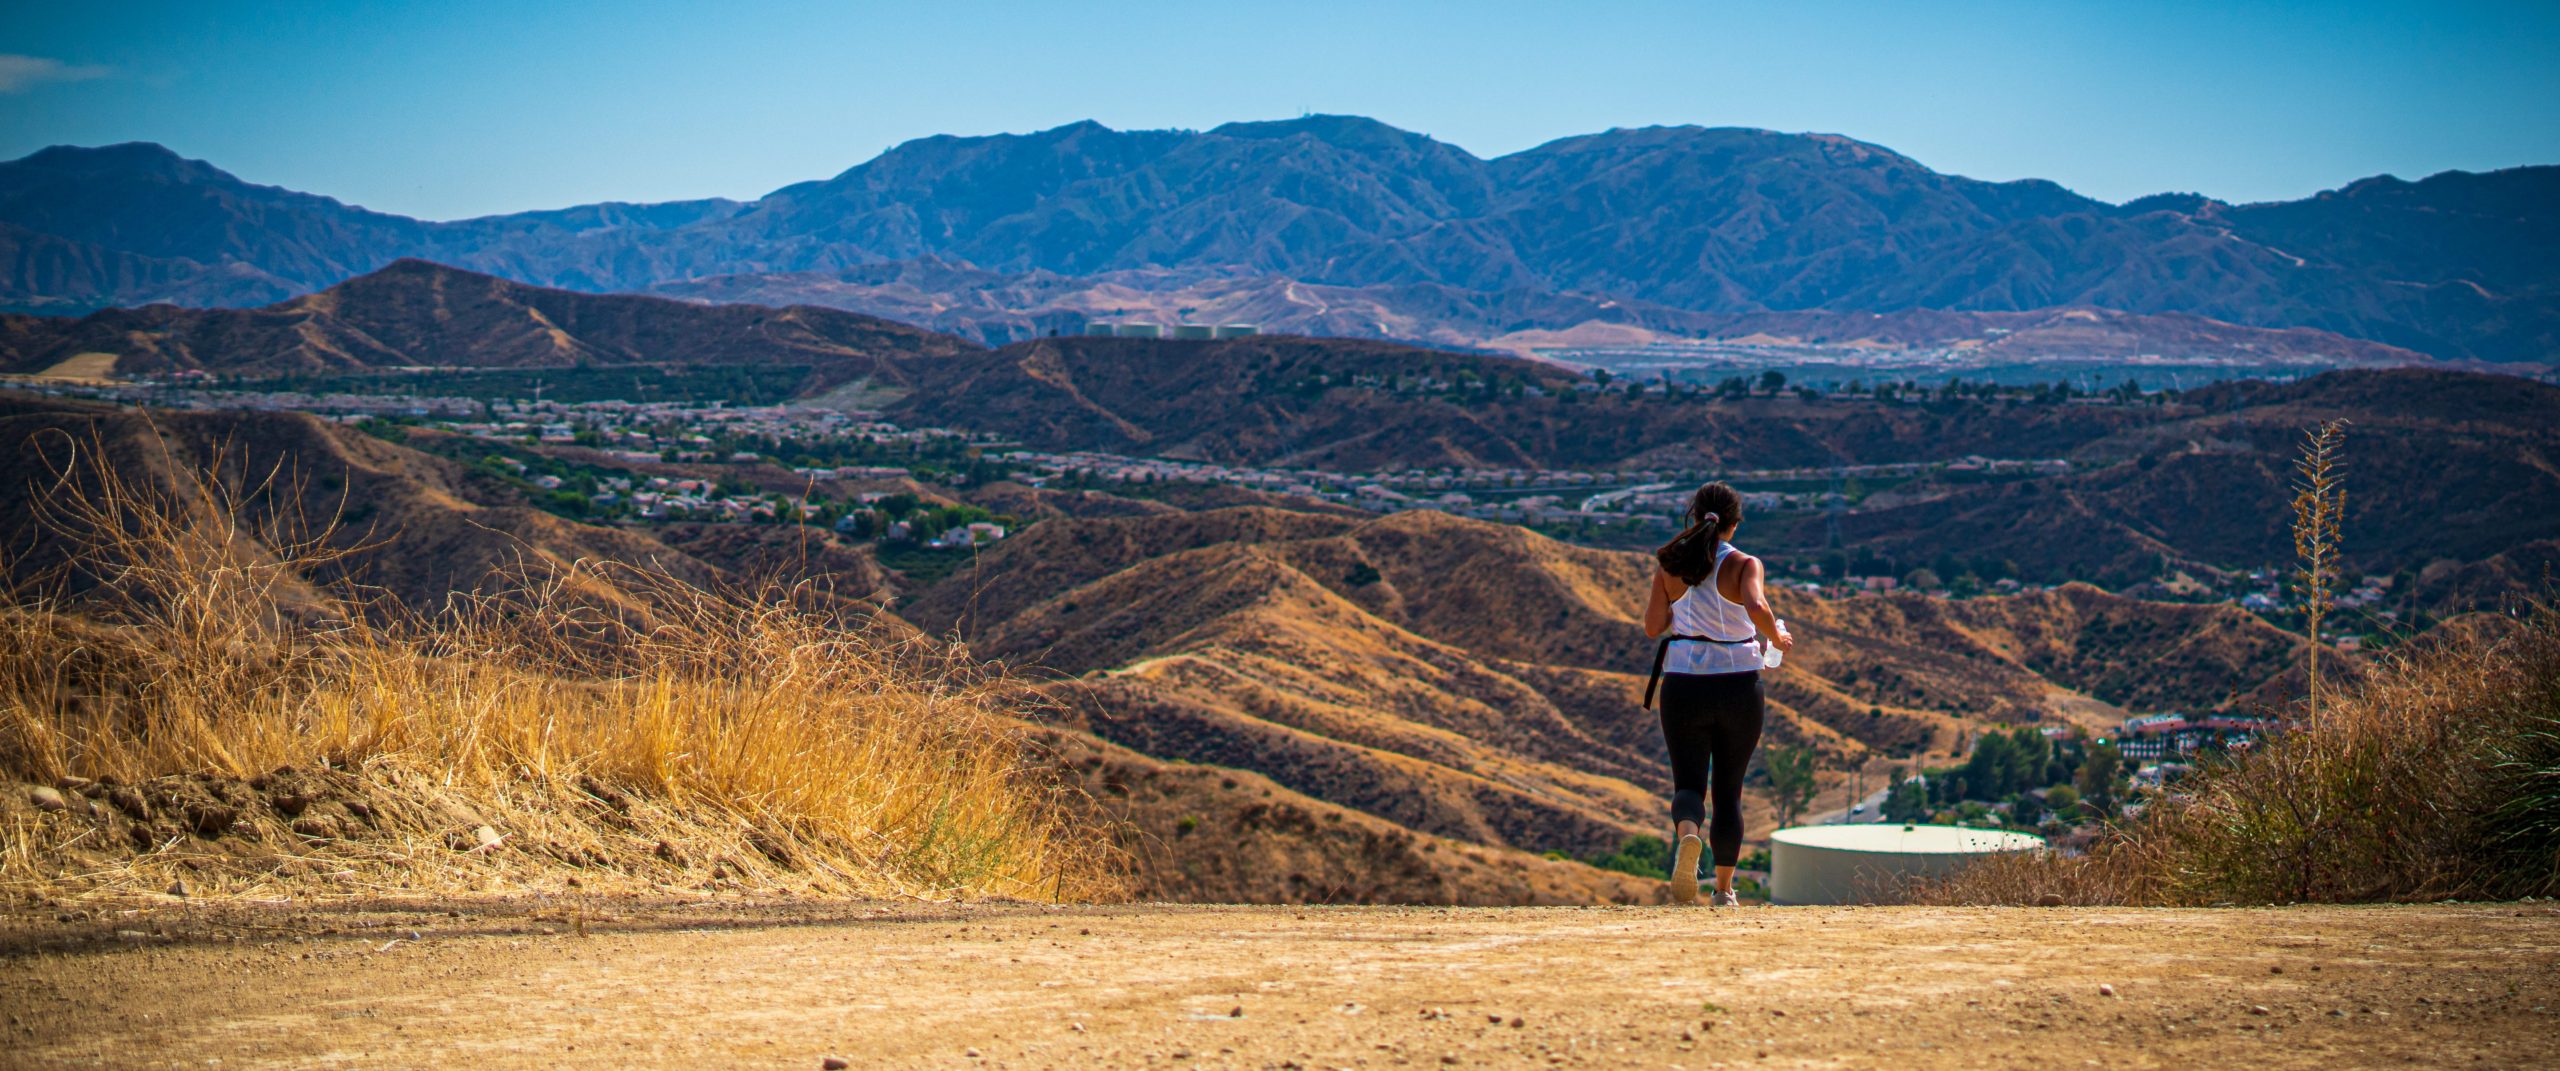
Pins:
x,y
1704,611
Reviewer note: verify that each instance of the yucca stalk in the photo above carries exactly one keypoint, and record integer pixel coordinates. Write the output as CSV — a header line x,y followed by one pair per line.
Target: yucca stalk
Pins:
x,y
2319,510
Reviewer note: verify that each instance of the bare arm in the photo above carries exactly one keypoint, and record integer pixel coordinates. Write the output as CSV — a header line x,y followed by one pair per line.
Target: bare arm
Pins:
x,y
1657,604
1754,600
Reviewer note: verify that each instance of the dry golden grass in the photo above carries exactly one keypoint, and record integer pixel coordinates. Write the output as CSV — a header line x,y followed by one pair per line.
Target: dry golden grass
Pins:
x,y
2430,778
91,367
588,725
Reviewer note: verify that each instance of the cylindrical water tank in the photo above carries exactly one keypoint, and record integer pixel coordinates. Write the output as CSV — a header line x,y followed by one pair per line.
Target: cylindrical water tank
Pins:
x,y
1191,331
1139,330
1848,864
1237,330
1100,328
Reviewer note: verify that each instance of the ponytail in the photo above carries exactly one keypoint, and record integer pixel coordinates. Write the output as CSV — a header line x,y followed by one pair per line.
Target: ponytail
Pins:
x,y
1691,553
1713,513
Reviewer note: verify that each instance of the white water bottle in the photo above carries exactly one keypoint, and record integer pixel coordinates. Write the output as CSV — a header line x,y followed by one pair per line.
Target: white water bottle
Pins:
x,y
1770,655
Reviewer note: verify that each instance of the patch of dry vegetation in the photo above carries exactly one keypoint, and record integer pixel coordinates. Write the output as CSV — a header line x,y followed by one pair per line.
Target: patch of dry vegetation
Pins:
x,y
2436,776
190,706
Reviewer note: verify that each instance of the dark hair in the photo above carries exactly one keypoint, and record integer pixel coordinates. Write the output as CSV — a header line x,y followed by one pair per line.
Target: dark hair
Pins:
x,y
1713,513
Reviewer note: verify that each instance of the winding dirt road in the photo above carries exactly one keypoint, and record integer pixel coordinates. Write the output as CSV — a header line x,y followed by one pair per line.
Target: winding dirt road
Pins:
x,y
515,984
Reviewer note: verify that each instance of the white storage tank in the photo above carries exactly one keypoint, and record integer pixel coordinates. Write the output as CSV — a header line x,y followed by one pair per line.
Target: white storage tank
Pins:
x,y
1848,864
1238,330
1196,332
1138,330
1100,328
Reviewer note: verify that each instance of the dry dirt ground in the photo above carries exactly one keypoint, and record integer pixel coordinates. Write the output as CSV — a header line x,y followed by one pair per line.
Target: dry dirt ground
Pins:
x,y
514,984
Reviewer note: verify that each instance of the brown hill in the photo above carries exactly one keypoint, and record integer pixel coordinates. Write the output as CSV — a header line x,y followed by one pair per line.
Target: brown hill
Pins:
x,y
1206,834
1432,700
1341,404
1479,681
2442,468
409,527
414,313
418,528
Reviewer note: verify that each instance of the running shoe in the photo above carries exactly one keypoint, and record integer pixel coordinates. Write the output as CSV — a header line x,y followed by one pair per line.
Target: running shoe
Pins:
x,y
1684,871
1726,899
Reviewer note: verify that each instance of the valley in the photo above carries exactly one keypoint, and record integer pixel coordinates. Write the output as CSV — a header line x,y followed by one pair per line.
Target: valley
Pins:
x,y
2041,484
1316,620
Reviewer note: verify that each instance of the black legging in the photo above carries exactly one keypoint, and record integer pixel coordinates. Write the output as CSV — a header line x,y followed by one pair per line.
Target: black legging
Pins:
x,y
1712,722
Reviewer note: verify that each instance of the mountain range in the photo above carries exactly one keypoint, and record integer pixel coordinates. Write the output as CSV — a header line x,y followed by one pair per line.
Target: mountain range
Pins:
x,y
1627,226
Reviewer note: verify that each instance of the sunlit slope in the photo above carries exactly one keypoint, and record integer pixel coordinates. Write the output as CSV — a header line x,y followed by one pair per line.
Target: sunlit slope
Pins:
x,y
1218,835
1480,681
415,529
401,524
1228,655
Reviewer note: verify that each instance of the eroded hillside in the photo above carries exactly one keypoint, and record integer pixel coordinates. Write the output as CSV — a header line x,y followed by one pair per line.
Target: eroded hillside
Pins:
x,y
1480,681
1272,703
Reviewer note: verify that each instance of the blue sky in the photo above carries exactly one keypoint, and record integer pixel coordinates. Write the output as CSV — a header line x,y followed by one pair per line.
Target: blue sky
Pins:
x,y
463,108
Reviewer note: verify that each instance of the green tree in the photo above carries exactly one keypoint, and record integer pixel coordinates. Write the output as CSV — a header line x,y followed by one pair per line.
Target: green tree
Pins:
x,y
2099,780
2026,811
1791,779
2064,801
1772,381
1908,801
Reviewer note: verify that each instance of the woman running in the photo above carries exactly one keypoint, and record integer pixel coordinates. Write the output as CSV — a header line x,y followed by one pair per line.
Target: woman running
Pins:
x,y
1709,611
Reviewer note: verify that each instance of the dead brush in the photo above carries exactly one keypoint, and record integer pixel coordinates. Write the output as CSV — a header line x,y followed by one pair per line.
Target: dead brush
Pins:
x,y
2429,778
594,725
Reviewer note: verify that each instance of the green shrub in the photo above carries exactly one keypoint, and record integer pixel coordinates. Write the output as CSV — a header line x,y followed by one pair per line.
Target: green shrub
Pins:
x,y
1642,856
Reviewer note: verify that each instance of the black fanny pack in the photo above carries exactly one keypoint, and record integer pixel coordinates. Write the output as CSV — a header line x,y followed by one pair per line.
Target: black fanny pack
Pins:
x,y
1662,650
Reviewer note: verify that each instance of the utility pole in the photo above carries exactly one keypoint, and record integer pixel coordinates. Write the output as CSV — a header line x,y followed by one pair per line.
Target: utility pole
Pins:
x,y
1837,503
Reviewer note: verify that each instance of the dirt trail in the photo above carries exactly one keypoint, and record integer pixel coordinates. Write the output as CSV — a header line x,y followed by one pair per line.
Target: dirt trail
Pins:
x,y
514,985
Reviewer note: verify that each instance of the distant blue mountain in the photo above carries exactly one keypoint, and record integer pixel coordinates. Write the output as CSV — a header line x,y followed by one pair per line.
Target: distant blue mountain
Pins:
x,y
1706,219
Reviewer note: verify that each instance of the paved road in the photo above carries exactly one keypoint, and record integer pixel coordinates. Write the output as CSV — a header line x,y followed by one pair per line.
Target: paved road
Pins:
x,y
1874,804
